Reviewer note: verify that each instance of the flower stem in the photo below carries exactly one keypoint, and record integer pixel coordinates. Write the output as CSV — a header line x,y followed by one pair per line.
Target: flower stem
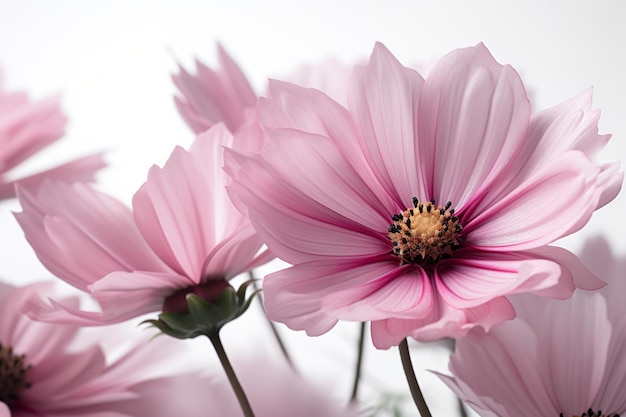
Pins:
x,y
230,372
279,340
359,362
416,393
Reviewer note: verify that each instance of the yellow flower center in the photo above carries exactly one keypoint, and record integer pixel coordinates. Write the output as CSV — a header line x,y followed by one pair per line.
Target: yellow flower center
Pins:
x,y
424,233
13,375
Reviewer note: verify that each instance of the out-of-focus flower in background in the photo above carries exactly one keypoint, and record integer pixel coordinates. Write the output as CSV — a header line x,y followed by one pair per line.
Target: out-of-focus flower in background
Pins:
x,y
52,370
26,128
425,203
275,389
182,236
558,357
212,96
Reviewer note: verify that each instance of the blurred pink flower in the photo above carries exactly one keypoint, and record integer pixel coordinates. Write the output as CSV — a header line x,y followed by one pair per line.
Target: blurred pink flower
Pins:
x,y
556,358
51,370
274,389
225,94
213,96
426,203
27,127
183,235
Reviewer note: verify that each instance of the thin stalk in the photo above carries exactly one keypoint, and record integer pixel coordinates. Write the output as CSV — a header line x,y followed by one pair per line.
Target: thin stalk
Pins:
x,y
230,372
416,393
359,363
279,340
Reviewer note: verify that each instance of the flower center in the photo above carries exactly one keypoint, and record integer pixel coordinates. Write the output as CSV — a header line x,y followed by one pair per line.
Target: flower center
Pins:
x,y
13,375
591,413
424,233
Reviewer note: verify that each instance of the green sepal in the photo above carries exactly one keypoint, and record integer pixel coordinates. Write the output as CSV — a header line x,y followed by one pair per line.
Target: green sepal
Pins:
x,y
204,317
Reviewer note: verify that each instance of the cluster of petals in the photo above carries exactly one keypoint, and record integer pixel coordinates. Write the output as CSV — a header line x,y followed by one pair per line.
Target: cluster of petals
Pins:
x,y
558,357
69,374
182,233
323,191
27,127
275,389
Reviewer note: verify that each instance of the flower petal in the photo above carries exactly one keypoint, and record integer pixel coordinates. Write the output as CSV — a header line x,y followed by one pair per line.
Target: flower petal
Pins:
x,y
294,226
294,296
183,209
404,292
311,111
475,277
383,97
473,116
81,235
530,216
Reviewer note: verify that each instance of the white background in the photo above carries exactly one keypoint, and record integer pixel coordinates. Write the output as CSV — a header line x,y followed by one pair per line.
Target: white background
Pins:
x,y
112,60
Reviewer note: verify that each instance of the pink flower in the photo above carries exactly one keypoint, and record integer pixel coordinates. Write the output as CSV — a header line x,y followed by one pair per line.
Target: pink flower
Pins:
x,y
275,390
556,358
210,97
27,127
425,203
225,94
183,235
51,370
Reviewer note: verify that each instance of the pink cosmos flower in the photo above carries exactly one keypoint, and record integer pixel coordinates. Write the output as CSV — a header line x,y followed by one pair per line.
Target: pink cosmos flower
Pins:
x,y
27,127
274,389
51,370
557,358
225,94
210,97
425,203
183,235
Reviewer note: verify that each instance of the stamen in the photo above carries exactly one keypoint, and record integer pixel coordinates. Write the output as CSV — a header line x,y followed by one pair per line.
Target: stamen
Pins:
x,y
591,413
425,235
13,375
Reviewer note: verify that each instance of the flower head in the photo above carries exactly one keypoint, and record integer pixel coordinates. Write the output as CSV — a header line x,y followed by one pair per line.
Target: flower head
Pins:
x,y
27,127
557,358
213,96
52,370
182,236
423,204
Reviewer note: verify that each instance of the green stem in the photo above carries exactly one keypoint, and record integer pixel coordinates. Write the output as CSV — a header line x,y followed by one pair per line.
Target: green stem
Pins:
x,y
230,372
359,363
279,340
416,393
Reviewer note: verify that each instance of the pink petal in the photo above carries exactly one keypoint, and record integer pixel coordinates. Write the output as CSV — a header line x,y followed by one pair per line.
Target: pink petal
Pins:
x,y
210,97
518,221
578,371
571,125
401,293
82,170
311,111
81,235
294,226
294,296
473,278
473,118
183,209
383,97
234,254
335,185
27,127
444,321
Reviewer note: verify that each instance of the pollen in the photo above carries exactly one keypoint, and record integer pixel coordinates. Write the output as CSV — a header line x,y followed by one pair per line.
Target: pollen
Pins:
x,y
13,375
424,233
591,413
